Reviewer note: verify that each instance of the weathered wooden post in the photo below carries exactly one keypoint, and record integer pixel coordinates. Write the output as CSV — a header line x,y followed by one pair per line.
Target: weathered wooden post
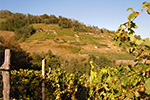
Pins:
x,y
43,84
6,75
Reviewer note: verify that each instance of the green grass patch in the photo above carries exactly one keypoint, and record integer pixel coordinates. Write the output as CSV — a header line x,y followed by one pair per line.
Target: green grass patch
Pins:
x,y
65,32
37,36
88,39
41,36
71,48
117,56
50,36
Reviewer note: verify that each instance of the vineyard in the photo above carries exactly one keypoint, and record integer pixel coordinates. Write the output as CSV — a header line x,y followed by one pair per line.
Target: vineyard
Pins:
x,y
123,82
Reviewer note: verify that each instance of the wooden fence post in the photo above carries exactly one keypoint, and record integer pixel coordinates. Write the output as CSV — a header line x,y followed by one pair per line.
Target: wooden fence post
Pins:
x,y
43,84
6,75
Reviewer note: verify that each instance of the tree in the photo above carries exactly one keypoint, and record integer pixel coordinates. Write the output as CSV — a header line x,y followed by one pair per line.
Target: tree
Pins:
x,y
53,19
65,23
5,13
44,16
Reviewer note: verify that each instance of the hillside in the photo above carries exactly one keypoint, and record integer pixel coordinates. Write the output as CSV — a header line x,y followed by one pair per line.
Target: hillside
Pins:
x,y
67,38
67,43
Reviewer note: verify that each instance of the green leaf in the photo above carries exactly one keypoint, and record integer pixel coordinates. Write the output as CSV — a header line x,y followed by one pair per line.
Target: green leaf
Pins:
x,y
131,95
115,41
147,85
132,15
124,80
109,80
130,9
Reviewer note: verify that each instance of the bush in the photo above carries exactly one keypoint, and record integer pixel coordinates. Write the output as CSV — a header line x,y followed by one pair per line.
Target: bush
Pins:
x,y
101,61
24,32
52,61
19,58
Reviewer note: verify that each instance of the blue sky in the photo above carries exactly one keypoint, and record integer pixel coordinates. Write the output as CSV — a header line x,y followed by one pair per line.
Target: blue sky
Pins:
x,y
102,13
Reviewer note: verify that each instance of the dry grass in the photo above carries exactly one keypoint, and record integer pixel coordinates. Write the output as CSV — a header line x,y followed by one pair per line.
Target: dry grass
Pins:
x,y
6,34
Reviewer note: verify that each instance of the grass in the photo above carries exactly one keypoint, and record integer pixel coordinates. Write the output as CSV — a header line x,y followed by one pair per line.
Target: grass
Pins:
x,y
41,36
89,39
2,20
6,34
68,35
37,36
104,45
46,26
65,32
50,36
71,48
68,38
118,56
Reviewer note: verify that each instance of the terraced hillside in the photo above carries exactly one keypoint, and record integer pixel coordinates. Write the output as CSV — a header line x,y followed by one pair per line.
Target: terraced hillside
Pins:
x,y
67,43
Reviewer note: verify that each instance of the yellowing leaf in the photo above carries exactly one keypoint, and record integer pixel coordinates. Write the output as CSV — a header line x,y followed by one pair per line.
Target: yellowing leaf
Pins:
x,y
132,38
130,9
147,85
137,94
136,27
144,4
138,42
147,42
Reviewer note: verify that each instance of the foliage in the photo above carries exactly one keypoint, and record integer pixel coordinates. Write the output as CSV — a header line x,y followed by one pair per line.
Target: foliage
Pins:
x,y
125,35
79,27
52,61
24,32
5,13
78,66
18,23
19,58
65,23
52,20
123,82
101,61
21,24
26,84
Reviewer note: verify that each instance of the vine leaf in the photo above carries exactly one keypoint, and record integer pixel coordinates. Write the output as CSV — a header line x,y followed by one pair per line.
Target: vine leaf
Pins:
x,y
138,42
147,42
148,10
132,15
130,9
147,85
144,4
132,38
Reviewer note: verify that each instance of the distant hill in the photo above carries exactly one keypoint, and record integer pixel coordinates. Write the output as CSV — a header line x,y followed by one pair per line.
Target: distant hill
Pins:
x,y
63,36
